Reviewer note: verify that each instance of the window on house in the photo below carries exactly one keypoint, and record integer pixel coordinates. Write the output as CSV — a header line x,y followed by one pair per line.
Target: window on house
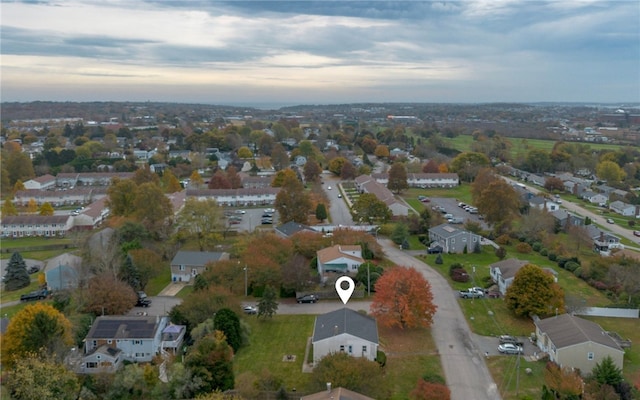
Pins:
x,y
341,348
92,364
590,355
364,349
182,268
453,241
350,349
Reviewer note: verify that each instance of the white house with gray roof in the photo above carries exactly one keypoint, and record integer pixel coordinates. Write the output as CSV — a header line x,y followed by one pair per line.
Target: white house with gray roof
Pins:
x,y
345,331
186,265
453,239
576,343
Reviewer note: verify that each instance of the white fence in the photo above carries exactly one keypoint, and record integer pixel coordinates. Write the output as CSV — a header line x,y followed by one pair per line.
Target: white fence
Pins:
x,y
609,312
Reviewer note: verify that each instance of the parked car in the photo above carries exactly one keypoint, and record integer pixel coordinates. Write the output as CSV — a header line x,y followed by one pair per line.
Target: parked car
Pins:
x,y
339,196
636,233
250,310
33,269
267,221
509,348
328,187
143,302
307,298
610,221
510,339
35,295
434,249
471,294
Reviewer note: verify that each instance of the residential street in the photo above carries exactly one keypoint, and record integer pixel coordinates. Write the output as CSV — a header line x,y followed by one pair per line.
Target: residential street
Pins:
x,y
464,366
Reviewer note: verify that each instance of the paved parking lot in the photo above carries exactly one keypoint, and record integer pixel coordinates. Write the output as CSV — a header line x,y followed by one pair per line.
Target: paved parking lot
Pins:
x,y
451,207
251,219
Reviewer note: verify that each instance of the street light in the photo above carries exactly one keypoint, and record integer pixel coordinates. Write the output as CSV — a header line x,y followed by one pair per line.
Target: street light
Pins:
x,y
245,281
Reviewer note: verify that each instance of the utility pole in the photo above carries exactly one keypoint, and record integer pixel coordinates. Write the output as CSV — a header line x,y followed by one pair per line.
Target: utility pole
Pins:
x,y
368,281
245,281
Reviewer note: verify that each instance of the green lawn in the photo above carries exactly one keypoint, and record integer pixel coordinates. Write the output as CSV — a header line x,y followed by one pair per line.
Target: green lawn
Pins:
x,y
270,341
410,353
511,377
628,329
159,282
13,295
464,142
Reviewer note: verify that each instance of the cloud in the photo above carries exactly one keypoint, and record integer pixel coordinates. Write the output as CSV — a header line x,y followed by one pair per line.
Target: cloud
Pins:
x,y
501,49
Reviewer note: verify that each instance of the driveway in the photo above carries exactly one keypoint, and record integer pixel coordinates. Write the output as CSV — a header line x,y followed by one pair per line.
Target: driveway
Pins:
x,y
463,362
160,306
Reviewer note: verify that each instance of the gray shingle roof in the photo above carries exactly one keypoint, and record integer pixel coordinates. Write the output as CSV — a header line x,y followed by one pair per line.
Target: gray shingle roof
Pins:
x,y
509,267
567,330
291,228
345,321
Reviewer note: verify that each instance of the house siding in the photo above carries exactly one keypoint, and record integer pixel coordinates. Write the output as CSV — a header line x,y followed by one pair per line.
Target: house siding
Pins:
x,y
332,345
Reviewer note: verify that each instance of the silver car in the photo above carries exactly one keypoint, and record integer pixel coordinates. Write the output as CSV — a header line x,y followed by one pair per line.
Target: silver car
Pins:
x,y
509,348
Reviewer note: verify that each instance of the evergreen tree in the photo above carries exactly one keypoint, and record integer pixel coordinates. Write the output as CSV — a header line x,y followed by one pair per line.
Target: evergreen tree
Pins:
x,y
607,373
16,276
321,212
228,322
268,305
400,233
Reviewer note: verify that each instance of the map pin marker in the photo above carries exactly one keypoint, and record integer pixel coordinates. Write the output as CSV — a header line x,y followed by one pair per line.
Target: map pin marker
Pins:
x,y
345,294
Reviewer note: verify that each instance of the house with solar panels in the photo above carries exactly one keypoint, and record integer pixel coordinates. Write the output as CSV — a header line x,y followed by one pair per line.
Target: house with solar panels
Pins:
x,y
139,338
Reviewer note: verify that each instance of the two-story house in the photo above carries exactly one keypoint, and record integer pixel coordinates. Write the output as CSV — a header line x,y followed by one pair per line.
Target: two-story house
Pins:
x,y
453,239
186,265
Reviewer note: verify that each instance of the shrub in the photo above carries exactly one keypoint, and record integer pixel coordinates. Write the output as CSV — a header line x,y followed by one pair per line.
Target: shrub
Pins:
x,y
439,259
544,252
381,358
501,252
537,246
599,285
631,223
578,272
455,266
460,275
433,378
503,240
571,266
523,248
552,256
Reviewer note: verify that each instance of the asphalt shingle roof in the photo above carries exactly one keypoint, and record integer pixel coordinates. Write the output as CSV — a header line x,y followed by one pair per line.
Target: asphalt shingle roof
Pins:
x,y
567,330
196,258
345,321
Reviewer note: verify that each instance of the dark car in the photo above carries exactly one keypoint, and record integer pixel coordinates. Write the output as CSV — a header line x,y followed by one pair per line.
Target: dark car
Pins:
x,y
33,269
35,295
308,298
434,249
143,303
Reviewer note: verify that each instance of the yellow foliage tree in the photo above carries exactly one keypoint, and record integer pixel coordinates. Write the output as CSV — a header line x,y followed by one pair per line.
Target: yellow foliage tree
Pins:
x,y
196,179
170,183
46,209
37,328
32,206
8,208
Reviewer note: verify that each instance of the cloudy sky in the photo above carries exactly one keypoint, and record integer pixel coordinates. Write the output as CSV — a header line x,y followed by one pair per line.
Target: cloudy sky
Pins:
x,y
318,52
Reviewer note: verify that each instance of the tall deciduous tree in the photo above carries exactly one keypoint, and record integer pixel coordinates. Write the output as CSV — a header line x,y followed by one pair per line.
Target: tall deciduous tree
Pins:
x,y
152,208
268,304
121,197
312,170
219,180
34,378
211,360
467,165
397,178
233,177
170,183
109,296
279,157
499,203
32,206
8,208
195,180
335,165
16,276
348,171
201,220
367,208
46,209
403,299
610,171
292,202
36,328
282,176
534,292
19,166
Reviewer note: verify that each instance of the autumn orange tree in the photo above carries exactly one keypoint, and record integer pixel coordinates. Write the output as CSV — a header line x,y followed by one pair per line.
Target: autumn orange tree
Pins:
x,y
39,327
403,299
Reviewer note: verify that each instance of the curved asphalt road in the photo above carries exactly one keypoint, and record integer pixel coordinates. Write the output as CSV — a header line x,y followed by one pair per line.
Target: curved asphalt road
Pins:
x,y
464,366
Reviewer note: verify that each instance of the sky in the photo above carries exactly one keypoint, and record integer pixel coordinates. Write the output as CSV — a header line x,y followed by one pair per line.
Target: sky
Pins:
x,y
320,52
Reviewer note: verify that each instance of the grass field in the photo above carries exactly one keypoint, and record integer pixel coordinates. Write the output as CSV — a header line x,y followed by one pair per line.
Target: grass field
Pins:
x,y
509,374
410,353
519,145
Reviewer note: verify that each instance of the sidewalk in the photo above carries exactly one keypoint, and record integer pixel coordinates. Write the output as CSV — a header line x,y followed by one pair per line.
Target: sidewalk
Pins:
x,y
172,289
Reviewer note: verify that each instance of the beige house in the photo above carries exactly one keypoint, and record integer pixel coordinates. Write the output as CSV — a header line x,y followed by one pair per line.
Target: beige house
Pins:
x,y
339,258
576,343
